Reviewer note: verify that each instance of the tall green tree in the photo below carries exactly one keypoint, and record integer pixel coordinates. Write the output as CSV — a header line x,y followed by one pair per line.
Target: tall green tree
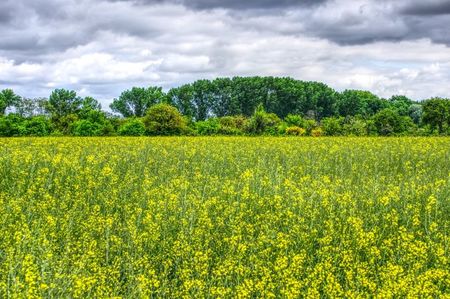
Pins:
x,y
62,103
7,99
415,112
359,102
89,105
388,122
203,99
401,104
136,101
29,107
436,113
181,97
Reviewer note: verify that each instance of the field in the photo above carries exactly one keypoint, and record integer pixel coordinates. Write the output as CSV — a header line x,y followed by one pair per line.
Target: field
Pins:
x,y
225,217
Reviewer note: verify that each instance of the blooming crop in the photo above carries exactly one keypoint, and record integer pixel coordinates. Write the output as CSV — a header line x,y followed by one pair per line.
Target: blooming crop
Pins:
x,y
224,217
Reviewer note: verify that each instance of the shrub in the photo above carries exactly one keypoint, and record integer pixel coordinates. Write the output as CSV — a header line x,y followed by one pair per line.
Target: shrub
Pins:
x,y
38,126
107,129
12,125
232,125
164,119
64,124
86,128
332,126
132,127
294,120
309,125
238,121
295,131
355,126
210,126
389,122
229,131
263,122
317,132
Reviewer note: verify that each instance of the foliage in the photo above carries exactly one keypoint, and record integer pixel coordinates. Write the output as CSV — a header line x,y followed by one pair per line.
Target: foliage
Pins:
x,y
295,120
241,96
333,126
31,107
415,113
164,119
136,101
235,106
232,125
317,132
436,114
12,125
88,105
62,103
295,131
37,126
389,122
359,102
132,127
262,122
7,98
207,127
84,127
401,104
355,126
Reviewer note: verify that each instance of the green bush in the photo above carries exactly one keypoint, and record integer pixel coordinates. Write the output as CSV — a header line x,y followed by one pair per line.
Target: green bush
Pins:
x,y
86,128
38,126
232,125
309,125
107,129
12,125
355,126
64,124
332,126
164,119
389,122
132,127
223,130
294,120
207,127
263,123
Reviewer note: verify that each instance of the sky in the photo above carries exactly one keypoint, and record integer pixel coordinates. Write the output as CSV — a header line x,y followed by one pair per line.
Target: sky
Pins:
x,y
103,47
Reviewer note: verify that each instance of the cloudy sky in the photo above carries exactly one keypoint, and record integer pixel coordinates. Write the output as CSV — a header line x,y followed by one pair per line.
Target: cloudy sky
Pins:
x,y
102,47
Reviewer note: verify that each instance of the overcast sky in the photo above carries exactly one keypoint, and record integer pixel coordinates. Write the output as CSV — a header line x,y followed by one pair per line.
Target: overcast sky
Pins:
x,y
102,47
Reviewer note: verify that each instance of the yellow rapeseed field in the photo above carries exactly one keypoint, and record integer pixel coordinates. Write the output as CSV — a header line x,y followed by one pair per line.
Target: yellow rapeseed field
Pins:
x,y
225,217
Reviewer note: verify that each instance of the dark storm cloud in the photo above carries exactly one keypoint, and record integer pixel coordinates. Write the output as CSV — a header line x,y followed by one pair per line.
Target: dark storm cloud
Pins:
x,y
7,12
5,16
250,4
427,8
234,4
345,22
363,22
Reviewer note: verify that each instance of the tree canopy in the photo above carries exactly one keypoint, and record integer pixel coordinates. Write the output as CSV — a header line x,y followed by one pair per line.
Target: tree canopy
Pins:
x,y
226,106
136,101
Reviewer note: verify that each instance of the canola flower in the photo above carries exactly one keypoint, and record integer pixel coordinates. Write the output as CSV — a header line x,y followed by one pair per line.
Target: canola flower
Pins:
x,y
224,217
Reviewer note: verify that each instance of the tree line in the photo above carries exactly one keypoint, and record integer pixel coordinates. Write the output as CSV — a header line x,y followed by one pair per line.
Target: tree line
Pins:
x,y
225,106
